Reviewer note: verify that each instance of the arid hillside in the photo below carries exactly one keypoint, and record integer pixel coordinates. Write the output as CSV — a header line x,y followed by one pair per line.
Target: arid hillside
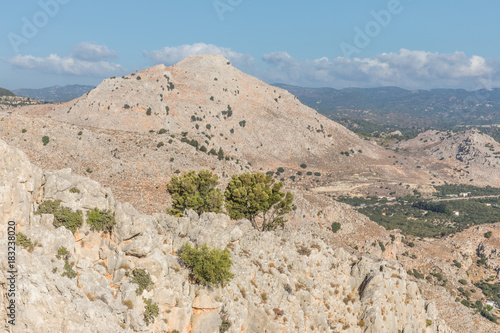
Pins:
x,y
469,157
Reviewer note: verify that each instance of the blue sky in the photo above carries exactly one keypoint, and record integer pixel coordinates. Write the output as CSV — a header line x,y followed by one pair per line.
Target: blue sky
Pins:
x,y
417,44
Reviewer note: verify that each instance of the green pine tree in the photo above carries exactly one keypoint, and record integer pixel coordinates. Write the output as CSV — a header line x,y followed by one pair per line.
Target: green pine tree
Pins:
x,y
258,198
195,191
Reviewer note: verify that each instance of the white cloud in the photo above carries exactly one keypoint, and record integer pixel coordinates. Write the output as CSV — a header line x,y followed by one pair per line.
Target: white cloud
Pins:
x,y
93,52
406,68
172,55
55,64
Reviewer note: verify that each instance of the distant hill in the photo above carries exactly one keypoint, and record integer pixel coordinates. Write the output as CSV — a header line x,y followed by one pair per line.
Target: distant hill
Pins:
x,y
5,92
400,108
55,93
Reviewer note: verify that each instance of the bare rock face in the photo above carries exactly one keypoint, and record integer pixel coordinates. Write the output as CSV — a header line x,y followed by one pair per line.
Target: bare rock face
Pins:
x,y
285,281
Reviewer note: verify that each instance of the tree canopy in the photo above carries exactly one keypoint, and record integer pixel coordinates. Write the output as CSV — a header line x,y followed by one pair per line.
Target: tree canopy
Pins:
x,y
258,198
195,191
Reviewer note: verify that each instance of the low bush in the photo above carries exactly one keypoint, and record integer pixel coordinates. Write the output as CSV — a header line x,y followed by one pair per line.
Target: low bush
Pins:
x,y
209,266
62,252
142,279
23,240
68,270
74,190
100,220
336,227
63,216
151,311
45,140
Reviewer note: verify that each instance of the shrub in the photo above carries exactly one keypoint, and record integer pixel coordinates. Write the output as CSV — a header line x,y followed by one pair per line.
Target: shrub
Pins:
x,y
208,266
80,133
74,190
317,174
62,252
336,227
23,240
281,170
68,270
257,195
162,131
195,191
463,281
457,264
148,112
63,216
24,130
100,220
142,279
160,144
220,154
151,311
224,327
126,106
203,149
488,234
45,140
243,123
309,173
303,165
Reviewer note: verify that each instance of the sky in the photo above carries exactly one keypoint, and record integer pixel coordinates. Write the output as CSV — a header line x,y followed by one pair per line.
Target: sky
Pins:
x,y
413,44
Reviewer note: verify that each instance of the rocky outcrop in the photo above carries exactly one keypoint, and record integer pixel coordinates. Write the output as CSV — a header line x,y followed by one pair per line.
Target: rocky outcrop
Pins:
x,y
285,281
468,156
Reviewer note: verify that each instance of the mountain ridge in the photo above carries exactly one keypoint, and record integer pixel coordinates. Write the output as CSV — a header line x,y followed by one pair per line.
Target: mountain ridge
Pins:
x,y
55,94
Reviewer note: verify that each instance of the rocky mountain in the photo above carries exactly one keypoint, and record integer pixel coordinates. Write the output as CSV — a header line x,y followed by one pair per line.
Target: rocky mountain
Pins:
x,y
459,157
208,103
288,281
55,94
132,134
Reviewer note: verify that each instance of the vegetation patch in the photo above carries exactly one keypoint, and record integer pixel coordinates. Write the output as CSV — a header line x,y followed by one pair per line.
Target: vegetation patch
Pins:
x,y
195,191
142,279
209,266
100,220
63,216
151,311
23,240
255,196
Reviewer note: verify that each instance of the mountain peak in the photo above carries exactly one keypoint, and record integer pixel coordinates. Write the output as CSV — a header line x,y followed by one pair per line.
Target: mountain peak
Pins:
x,y
203,60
